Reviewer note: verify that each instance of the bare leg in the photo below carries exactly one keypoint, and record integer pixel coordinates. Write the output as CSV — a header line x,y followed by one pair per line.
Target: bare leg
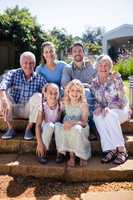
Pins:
x,y
9,124
83,163
71,161
29,126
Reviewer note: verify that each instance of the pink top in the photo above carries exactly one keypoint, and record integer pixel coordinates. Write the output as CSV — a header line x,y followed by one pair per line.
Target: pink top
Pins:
x,y
51,115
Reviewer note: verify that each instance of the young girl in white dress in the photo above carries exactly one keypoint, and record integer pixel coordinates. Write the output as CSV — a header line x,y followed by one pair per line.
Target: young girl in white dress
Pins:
x,y
74,131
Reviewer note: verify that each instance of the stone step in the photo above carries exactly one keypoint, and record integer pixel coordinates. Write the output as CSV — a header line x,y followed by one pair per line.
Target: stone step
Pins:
x,y
122,195
21,146
20,124
27,165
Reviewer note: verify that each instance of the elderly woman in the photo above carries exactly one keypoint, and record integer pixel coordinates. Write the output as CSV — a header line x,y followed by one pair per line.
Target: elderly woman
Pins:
x,y
111,110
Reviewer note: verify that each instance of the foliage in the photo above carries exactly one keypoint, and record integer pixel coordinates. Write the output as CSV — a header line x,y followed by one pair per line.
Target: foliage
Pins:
x,y
93,49
17,25
92,39
93,35
62,41
125,67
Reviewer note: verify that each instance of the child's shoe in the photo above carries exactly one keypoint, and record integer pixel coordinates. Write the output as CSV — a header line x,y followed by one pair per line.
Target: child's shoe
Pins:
x,y
60,158
43,160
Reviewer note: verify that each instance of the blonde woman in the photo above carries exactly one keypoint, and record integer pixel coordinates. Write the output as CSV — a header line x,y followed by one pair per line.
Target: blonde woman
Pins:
x,y
111,110
72,135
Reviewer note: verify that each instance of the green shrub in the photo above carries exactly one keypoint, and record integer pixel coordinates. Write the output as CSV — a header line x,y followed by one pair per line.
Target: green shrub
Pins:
x,y
124,67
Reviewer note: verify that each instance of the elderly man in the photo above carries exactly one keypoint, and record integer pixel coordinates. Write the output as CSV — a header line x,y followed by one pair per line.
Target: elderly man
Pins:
x,y
20,97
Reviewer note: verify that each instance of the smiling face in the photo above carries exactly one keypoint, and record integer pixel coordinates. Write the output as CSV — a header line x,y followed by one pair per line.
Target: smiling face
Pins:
x,y
52,94
49,53
77,53
103,67
74,94
27,64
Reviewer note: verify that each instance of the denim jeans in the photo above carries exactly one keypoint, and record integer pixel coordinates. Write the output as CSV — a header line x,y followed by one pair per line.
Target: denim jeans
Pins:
x,y
91,105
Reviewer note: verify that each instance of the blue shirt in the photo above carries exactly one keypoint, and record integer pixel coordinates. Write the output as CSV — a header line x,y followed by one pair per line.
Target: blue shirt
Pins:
x,y
54,75
19,88
85,73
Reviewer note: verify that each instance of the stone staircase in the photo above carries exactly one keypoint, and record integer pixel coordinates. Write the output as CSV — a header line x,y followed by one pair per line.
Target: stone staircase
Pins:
x,y
17,157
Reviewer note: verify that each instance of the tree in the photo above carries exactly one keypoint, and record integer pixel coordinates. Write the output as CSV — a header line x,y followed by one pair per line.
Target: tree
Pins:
x,y
17,25
62,41
93,35
92,40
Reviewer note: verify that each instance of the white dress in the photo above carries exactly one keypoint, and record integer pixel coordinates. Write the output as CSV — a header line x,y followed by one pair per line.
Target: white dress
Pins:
x,y
76,139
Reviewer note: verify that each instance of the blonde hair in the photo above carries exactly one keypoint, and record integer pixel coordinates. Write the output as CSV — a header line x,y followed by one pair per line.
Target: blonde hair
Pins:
x,y
77,83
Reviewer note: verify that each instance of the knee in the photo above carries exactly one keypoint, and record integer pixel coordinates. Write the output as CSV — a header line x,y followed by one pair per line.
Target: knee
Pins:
x,y
36,98
112,115
50,126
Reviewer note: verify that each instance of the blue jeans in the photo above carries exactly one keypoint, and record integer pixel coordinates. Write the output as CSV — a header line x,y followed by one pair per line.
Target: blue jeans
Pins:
x,y
91,104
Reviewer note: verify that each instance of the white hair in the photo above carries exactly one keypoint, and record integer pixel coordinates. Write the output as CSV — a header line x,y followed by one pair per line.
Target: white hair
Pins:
x,y
107,58
27,54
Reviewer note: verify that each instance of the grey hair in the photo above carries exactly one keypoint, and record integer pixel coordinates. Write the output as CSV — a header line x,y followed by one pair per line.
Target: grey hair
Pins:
x,y
107,58
28,54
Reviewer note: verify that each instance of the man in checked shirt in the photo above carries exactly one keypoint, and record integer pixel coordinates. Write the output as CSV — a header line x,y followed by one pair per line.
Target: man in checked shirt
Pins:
x,y
20,95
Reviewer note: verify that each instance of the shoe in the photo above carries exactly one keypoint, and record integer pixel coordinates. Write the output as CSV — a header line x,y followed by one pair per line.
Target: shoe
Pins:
x,y
121,157
43,160
28,135
108,156
60,158
9,134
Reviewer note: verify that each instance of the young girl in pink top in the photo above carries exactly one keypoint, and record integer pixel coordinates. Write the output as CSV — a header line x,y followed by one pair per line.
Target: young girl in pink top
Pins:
x,y
49,113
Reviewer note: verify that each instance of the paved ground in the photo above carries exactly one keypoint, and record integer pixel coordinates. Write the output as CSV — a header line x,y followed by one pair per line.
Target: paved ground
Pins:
x,y
16,187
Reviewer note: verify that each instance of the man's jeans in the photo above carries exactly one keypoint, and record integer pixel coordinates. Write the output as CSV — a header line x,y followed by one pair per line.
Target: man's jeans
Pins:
x,y
91,105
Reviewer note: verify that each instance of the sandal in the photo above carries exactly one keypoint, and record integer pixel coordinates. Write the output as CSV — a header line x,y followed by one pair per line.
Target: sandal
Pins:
x,y
109,156
121,157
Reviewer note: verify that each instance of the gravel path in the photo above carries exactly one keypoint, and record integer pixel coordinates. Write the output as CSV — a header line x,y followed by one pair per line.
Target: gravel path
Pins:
x,y
21,187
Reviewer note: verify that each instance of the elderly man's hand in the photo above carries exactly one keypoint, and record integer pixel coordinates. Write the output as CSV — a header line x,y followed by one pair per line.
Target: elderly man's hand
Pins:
x,y
6,110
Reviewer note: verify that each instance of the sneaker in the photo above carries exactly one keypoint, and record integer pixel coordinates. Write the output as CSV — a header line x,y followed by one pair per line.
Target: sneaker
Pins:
x,y
43,160
9,134
28,135
60,158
